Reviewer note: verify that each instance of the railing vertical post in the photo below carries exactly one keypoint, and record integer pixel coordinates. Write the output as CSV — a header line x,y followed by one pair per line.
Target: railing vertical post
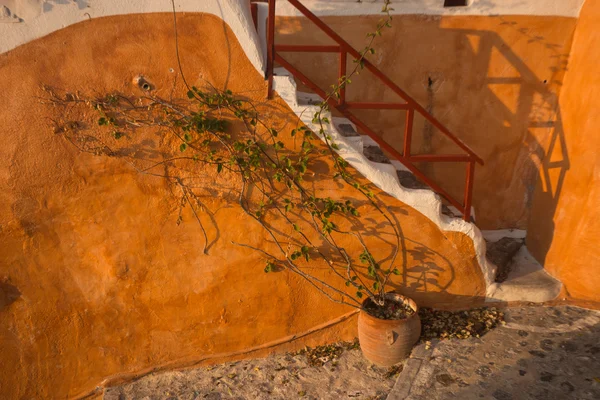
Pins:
x,y
469,190
342,99
270,47
254,12
410,113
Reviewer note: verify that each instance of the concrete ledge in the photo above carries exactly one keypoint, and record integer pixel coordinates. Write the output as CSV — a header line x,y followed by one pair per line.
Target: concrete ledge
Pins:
x,y
563,8
527,281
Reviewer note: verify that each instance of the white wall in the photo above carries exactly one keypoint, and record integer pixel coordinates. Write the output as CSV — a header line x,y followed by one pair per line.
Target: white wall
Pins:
x,y
566,8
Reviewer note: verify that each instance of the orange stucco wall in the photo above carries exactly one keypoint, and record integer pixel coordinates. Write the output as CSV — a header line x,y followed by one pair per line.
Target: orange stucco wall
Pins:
x,y
96,277
492,80
564,229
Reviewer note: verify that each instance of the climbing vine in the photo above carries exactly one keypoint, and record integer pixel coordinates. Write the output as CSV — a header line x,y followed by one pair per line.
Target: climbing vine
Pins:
x,y
218,138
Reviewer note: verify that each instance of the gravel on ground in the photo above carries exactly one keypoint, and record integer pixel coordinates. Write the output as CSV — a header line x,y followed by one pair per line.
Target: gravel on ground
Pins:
x,y
538,353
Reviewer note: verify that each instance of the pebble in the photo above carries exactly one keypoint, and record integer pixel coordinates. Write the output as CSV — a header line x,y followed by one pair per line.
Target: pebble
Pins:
x,y
537,353
546,376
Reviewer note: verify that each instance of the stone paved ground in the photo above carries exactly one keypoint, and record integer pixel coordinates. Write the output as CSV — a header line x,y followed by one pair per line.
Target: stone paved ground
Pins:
x,y
275,377
541,353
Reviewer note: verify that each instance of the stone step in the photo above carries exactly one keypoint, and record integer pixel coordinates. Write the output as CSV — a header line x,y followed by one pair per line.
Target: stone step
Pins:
x,y
502,253
453,212
345,127
375,154
348,130
308,99
527,281
448,211
280,71
409,180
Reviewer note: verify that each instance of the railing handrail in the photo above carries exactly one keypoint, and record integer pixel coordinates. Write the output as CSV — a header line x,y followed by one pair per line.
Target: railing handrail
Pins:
x,y
411,105
377,72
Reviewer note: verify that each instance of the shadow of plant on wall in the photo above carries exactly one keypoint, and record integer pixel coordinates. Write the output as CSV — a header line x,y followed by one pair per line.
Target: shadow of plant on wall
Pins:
x,y
222,149
425,271
8,294
219,134
217,143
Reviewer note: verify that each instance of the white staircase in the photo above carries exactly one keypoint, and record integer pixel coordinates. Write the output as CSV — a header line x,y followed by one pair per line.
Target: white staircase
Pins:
x,y
391,176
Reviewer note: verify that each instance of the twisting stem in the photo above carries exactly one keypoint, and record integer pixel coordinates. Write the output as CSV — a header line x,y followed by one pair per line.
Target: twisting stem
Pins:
x,y
269,178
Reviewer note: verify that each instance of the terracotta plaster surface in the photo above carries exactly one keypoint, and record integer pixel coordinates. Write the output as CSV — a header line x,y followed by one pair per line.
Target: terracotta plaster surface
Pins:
x,y
98,282
564,232
33,19
492,80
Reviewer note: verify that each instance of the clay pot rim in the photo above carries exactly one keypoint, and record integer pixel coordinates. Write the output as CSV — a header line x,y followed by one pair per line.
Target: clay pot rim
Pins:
x,y
407,300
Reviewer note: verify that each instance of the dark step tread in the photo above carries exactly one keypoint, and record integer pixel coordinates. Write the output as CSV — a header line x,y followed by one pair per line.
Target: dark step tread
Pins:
x,y
410,181
347,130
375,154
502,253
447,211
308,102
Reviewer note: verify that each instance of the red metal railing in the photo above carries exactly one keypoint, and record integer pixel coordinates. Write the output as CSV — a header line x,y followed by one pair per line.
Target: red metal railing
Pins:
x,y
340,104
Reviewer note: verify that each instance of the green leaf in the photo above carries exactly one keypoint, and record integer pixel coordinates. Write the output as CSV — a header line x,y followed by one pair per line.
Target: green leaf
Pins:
x,y
102,121
296,227
269,267
395,271
183,147
190,94
219,167
359,295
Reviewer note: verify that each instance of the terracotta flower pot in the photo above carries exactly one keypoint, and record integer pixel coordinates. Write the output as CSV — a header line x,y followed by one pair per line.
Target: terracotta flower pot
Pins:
x,y
387,342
